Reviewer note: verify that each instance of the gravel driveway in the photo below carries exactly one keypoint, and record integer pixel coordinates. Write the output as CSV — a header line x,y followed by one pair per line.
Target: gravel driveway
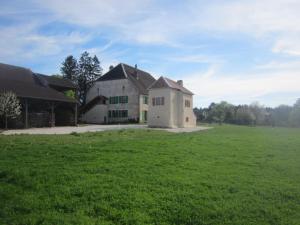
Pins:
x,y
94,128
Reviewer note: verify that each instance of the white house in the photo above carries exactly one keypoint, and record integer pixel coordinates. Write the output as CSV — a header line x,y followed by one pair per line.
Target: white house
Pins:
x,y
120,95
171,105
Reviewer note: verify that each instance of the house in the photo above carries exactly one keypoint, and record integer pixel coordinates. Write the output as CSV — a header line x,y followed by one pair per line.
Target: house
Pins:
x,y
42,97
171,104
120,95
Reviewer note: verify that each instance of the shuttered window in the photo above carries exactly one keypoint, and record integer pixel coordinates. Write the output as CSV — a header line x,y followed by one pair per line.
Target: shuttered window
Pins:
x,y
158,101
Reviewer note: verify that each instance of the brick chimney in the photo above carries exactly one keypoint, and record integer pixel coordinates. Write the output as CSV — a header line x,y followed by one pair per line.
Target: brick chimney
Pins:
x,y
180,82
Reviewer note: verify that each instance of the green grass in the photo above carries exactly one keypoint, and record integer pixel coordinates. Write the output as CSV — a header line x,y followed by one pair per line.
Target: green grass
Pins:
x,y
227,175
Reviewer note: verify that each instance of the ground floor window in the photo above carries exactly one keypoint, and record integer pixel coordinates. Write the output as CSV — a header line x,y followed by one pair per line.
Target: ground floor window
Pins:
x,y
117,113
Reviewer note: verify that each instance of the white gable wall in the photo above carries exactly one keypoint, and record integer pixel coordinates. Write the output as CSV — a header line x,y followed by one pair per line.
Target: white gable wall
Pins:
x,y
173,113
160,115
121,87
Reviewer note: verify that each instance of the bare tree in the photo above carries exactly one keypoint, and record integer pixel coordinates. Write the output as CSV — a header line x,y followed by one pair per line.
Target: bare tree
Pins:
x,y
10,106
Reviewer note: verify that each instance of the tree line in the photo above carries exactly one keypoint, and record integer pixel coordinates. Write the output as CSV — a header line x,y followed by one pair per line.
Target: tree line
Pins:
x,y
82,72
253,114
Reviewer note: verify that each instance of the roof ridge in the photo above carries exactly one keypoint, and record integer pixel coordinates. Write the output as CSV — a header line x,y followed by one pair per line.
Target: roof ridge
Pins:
x,y
166,80
124,71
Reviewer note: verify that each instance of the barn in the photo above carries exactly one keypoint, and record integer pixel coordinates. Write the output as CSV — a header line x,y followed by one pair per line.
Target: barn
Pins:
x,y
43,98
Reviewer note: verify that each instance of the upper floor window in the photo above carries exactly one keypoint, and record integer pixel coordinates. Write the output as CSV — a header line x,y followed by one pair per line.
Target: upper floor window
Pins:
x,y
158,101
145,99
118,99
187,103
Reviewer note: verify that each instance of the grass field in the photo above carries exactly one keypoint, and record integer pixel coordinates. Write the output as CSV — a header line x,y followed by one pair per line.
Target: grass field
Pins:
x,y
227,175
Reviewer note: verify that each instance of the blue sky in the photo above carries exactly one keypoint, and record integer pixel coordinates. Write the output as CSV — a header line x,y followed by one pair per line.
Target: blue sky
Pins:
x,y
238,51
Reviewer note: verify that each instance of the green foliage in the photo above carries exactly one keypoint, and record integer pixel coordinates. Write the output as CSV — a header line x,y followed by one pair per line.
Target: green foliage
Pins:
x,y
89,70
57,76
253,114
226,175
10,106
295,115
69,68
70,94
83,73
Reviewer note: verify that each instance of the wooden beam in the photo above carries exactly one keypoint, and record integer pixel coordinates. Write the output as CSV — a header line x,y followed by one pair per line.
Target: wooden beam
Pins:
x,y
52,115
76,114
26,113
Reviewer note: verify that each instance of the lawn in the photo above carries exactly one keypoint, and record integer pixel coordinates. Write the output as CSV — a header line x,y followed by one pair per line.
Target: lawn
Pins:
x,y
226,175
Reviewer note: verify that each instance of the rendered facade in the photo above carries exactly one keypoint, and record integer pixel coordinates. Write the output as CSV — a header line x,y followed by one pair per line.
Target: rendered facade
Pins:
x,y
171,105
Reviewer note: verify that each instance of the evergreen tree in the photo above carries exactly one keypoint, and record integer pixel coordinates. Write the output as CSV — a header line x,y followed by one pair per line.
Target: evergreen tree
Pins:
x,y
69,68
89,70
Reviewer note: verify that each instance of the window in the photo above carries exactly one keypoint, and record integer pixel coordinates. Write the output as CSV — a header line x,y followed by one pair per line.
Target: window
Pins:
x,y
144,115
187,103
186,119
145,100
123,99
118,99
118,113
158,101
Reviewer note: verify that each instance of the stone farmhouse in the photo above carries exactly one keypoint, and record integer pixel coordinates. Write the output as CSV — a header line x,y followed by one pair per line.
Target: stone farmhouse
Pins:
x,y
128,94
120,95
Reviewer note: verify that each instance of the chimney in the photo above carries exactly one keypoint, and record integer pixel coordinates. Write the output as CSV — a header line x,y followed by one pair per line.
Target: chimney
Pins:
x,y
180,82
136,72
111,67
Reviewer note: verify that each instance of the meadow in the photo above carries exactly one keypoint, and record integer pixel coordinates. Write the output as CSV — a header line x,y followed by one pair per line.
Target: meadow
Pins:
x,y
226,175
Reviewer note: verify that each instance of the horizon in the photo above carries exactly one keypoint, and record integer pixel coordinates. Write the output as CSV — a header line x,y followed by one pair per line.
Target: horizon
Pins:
x,y
238,51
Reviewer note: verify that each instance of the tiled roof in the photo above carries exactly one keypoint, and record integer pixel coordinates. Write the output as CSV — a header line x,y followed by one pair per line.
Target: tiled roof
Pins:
x,y
141,79
164,82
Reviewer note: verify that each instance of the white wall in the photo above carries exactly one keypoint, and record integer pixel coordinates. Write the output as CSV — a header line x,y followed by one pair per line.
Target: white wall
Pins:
x,y
121,87
143,107
96,114
160,115
173,113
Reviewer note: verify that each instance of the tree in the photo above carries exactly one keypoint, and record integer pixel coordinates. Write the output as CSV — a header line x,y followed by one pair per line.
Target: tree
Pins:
x,y
69,68
280,115
244,115
259,112
221,112
89,70
295,114
10,106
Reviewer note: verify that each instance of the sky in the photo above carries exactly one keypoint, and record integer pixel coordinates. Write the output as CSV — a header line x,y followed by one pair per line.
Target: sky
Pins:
x,y
238,51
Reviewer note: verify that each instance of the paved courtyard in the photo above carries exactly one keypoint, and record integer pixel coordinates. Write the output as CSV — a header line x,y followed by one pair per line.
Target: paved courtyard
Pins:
x,y
94,128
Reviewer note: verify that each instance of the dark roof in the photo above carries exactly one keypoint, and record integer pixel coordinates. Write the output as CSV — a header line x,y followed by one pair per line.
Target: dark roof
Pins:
x,y
26,84
57,81
141,79
164,82
116,73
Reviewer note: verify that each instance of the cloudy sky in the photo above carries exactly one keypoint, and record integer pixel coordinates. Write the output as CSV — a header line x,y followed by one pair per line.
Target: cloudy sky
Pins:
x,y
239,51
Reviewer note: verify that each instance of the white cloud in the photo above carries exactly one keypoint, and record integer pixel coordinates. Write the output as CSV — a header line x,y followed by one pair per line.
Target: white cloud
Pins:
x,y
93,13
288,45
238,88
24,42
